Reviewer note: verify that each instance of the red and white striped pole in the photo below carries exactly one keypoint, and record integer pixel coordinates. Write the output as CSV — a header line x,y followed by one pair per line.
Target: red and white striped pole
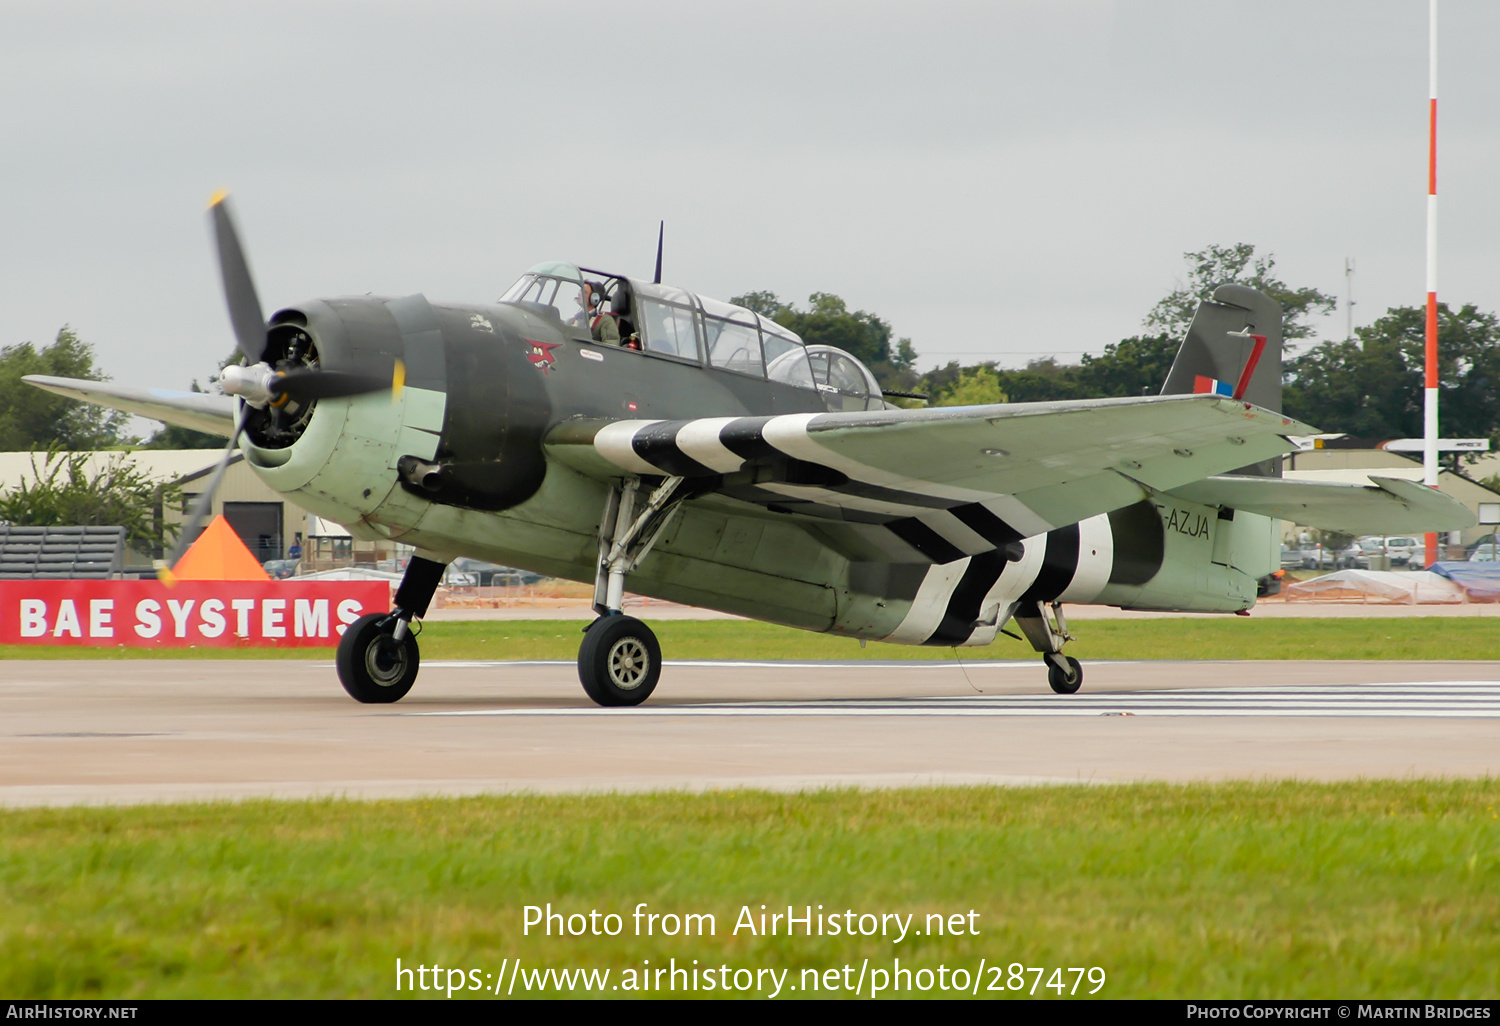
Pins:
x,y
1430,403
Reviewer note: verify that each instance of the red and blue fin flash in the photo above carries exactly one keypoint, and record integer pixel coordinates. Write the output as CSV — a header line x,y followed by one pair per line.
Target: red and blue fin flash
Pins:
x,y
1213,386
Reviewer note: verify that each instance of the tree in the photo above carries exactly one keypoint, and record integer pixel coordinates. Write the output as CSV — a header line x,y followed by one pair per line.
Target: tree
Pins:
x,y
764,303
1237,265
828,321
170,436
33,419
1372,387
977,386
1133,366
63,493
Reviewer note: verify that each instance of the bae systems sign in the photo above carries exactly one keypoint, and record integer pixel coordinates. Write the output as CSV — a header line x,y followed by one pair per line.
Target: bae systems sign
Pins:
x,y
221,614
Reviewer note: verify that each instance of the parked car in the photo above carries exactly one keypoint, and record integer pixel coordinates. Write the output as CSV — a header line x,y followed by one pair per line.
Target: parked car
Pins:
x,y
1488,545
1291,559
1401,550
465,572
1313,557
1353,557
280,569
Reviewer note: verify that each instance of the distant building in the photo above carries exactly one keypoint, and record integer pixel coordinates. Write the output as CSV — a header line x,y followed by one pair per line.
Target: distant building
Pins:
x,y
266,522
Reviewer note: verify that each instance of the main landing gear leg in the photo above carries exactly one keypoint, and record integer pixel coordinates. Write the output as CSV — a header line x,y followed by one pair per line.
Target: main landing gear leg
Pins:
x,y
1047,630
377,657
619,661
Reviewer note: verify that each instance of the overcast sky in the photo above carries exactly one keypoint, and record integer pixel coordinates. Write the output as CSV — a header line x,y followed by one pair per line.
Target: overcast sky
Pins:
x,y
998,180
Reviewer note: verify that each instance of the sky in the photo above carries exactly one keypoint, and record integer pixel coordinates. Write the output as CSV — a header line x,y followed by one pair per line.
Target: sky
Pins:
x,y
998,180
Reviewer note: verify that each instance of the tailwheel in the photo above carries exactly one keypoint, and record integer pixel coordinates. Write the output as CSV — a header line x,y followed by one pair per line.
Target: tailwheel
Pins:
x,y
374,664
1064,673
619,661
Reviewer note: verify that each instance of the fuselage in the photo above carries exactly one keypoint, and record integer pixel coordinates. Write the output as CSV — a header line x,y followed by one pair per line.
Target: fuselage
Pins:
x,y
456,465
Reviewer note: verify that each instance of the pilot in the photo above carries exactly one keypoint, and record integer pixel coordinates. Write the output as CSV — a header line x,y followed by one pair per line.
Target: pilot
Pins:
x,y
582,302
602,324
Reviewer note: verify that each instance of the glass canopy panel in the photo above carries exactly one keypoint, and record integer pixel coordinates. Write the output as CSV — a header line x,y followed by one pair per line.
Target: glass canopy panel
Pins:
x,y
670,329
558,269
517,292
669,293
566,297
786,361
733,345
845,382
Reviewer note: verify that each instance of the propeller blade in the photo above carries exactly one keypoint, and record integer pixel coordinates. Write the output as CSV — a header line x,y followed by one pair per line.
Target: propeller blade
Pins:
x,y
239,288
305,384
661,233
204,503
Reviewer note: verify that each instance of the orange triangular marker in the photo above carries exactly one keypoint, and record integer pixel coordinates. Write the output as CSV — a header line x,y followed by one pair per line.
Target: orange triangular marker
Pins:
x,y
218,555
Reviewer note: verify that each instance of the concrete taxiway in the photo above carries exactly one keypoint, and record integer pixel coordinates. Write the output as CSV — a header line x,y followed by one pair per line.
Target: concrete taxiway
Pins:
x,y
132,731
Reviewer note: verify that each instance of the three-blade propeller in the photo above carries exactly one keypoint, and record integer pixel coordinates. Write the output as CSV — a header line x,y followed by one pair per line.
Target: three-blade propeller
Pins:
x,y
255,381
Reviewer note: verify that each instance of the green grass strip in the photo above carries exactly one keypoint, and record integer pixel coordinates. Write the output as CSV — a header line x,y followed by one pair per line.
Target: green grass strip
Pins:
x,y
1377,889
1416,637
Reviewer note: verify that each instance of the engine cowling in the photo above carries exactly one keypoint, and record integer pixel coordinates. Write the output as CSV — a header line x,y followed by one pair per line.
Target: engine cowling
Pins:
x,y
464,414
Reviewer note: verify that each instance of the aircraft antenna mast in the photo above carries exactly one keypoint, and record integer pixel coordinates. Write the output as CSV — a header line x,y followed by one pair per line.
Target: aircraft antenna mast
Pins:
x,y
661,233
1430,402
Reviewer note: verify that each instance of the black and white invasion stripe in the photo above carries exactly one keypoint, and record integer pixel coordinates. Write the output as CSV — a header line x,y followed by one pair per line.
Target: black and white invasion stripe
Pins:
x,y
939,523
967,601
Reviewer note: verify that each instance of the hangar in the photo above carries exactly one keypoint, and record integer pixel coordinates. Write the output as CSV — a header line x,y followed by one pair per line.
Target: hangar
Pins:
x,y
265,521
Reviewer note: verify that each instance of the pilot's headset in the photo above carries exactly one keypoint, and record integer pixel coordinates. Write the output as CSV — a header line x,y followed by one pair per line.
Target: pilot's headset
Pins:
x,y
596,295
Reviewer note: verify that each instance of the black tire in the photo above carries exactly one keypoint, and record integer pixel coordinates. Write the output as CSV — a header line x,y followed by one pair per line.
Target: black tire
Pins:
x,y
619,661
373,666
1064,681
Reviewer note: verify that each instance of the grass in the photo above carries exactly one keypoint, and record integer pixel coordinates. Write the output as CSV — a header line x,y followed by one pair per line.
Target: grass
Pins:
x,y
1417,637
1275,890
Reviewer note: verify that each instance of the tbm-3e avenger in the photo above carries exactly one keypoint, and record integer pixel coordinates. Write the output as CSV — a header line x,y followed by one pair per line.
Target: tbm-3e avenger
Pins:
x,y
602,428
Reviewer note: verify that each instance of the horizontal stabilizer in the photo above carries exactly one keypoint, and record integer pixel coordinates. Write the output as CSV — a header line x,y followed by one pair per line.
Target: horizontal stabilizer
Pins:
x,y
199,411
1386,505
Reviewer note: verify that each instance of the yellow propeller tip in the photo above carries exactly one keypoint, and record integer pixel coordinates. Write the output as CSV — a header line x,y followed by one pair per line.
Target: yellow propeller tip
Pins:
x,y
217,198
398,380
167,577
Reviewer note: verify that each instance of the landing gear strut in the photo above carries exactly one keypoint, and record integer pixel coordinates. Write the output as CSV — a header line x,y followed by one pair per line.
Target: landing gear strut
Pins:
x,y
1047,630
377,657
619,661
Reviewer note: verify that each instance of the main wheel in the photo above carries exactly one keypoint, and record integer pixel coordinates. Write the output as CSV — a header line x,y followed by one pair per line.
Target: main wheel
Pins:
x,y
619,661
373,666
1064,673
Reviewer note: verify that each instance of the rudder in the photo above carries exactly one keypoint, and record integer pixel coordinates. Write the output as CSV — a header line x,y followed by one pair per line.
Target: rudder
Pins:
x,y
1233,347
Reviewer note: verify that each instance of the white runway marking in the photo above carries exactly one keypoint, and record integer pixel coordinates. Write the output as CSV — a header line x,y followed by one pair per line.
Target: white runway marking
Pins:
x,y
1454,699
772,664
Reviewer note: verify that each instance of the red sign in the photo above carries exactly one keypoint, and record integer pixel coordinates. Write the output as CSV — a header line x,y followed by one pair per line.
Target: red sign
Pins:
x,y
218,614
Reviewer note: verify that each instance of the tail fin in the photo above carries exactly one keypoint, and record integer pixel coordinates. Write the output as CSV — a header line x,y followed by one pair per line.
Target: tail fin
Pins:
x,y
1233,347
1224,351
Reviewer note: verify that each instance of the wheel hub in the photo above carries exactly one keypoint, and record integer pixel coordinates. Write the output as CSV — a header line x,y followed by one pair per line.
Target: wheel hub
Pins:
x,y
386,661
629,663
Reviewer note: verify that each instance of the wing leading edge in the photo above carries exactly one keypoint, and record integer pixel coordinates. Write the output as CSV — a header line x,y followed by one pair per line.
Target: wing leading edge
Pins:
x,y
199,411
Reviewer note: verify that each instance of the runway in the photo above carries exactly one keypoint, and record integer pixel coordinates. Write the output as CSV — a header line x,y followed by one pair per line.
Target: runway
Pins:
x,y
133,731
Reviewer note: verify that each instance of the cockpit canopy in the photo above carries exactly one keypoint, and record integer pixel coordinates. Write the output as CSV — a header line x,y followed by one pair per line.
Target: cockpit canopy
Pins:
x,y
665,321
